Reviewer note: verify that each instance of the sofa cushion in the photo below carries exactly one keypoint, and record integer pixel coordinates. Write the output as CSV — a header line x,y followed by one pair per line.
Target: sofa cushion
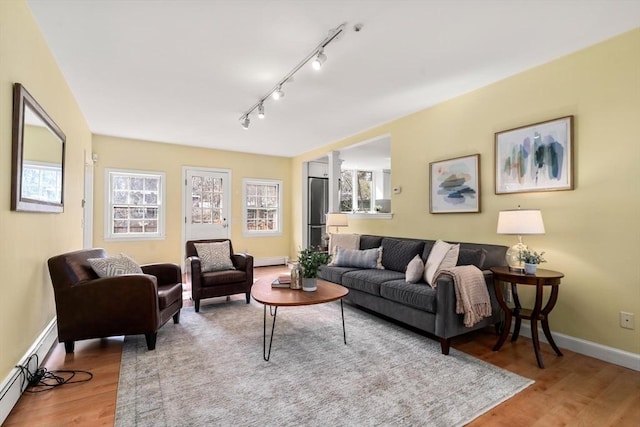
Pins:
x,y
214,256
397,253
472,257
114,266
415,270
369,280
333,273
442,255
416,295
168,294
368,258
223,277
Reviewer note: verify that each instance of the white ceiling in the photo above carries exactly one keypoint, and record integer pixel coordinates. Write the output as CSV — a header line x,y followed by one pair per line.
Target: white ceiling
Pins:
x,y
184,71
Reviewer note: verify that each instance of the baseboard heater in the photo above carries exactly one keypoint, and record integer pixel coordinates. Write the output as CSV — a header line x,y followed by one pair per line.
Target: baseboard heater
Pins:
x,y
264,262
12,387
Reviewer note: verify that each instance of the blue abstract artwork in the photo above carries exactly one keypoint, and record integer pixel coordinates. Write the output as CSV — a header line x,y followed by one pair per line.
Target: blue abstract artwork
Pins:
x,y
535,157
454,185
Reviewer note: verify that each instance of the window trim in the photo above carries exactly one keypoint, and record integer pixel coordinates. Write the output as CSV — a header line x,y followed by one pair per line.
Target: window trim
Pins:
x,y
260,181
109,235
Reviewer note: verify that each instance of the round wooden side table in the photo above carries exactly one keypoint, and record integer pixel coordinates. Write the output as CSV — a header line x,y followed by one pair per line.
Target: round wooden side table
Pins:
x,y
540,279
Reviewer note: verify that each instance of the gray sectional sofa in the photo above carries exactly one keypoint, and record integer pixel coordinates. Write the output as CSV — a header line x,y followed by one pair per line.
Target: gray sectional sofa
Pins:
x,y
385,291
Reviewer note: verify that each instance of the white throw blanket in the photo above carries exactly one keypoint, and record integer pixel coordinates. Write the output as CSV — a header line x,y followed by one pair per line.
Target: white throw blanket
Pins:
x,y
472,296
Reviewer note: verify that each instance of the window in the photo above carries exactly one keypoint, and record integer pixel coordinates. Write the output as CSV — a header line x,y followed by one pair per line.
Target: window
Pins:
x,y
356,193
262,200
135,205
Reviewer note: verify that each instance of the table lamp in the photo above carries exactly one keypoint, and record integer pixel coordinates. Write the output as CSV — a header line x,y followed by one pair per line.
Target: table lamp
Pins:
x,y
337,220
519,222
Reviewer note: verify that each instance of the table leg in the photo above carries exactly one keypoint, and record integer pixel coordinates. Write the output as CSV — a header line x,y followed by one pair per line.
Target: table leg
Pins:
x,y
516,312
545,319
267,355
344,331
535,315
507,316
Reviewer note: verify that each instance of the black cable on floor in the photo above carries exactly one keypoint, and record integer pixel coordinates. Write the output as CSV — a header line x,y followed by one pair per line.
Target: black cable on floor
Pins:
x,y
44,380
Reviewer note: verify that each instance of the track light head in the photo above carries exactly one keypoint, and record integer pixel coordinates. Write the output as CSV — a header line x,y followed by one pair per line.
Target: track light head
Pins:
x,y
319,60
278,93
245,122
261,111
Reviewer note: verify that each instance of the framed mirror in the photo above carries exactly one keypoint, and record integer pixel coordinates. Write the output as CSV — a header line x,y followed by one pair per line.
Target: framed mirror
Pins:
x,y
37,164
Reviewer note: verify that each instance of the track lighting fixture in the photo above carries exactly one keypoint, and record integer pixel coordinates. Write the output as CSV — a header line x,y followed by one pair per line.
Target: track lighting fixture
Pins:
x,y
318,56
245,122
278,93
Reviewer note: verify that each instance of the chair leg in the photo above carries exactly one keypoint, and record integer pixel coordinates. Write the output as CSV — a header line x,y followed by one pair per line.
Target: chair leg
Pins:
x,y
176,317
69,346
196,303
248,295
151,341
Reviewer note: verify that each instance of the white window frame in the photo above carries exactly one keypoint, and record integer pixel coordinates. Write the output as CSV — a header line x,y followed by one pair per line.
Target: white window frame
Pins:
x,y
109,235
41,168
256,233
354,192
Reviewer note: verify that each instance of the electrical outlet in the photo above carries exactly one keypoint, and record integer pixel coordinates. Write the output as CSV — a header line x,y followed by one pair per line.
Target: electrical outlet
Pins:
x,y
627,320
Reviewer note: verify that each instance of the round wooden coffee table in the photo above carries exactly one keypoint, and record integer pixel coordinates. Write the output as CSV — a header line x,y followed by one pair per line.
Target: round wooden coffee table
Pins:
x,y
262,292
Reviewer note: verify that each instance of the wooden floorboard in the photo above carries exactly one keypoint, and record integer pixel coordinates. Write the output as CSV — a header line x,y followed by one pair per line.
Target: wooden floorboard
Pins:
x,y
573,390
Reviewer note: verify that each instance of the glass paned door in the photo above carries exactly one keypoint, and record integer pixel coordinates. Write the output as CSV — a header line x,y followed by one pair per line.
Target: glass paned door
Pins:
x,y
206,204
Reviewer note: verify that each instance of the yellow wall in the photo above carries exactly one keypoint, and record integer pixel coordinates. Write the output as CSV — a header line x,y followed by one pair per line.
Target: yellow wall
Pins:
x,y
592,233
169,158
27,240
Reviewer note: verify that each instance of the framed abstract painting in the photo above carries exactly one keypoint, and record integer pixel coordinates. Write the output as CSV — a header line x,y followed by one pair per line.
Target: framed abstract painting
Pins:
x,y
537,157
455,185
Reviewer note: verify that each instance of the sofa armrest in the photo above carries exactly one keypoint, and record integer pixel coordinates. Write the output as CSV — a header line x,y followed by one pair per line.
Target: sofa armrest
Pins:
x,y
166,273
448,322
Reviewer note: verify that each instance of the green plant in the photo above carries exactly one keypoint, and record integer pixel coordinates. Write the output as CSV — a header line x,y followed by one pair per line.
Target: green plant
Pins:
x,y
531,257
310,261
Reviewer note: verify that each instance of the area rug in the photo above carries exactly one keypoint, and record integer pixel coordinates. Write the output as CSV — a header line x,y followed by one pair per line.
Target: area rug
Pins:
x,y
209,370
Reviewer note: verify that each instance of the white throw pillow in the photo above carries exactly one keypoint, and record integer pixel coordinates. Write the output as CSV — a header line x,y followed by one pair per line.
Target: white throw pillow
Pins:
x,y
442,255
114,266
214,256
415,268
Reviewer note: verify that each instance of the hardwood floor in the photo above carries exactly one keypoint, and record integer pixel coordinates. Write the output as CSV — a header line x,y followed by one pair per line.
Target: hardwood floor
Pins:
x,y
572,390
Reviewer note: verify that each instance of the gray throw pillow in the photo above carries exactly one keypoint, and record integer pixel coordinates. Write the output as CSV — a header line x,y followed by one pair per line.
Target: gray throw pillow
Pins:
x,y
114,266
367,258
214,256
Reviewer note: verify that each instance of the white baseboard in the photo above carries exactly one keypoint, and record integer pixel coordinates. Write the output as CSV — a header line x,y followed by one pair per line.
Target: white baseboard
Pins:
x,y
10,388
277,260
588,348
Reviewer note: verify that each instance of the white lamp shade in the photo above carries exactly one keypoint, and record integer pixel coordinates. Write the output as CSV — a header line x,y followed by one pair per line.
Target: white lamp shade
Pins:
x,y
520,222
337,220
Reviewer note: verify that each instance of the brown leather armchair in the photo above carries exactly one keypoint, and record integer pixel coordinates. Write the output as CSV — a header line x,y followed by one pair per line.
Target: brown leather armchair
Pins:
x,y
91,307
218,283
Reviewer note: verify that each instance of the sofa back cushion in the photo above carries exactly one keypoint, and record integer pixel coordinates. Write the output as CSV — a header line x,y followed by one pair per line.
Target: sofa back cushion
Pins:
x,y
369,242
398,253
472,257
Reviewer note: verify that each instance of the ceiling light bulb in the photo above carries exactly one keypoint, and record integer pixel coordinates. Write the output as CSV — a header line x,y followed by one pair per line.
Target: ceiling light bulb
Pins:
x,y
278,93
261,111
245,122
319,60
